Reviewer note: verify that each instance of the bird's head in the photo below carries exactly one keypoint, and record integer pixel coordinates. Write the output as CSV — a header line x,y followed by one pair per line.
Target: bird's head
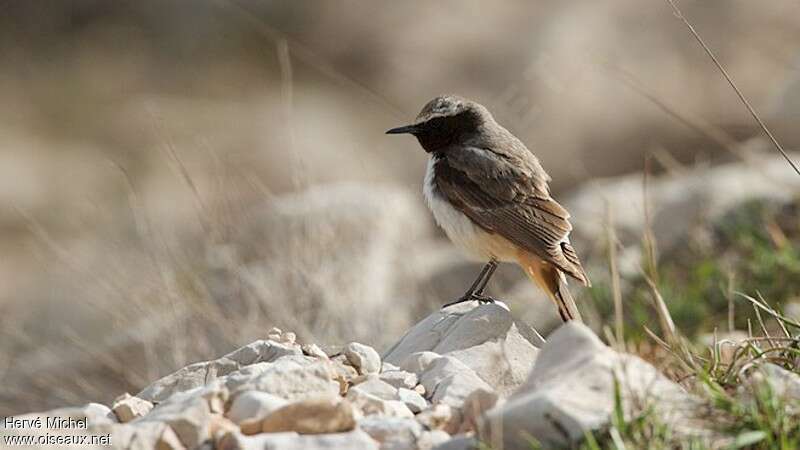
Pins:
x,y
444,121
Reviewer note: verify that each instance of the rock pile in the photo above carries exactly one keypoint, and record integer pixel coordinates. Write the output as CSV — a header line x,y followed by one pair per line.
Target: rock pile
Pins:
x,y
462,375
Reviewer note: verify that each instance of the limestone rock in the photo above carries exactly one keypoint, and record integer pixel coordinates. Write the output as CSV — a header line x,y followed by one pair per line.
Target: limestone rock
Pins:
x,y
364,358
377,387
571,390
388,367
127,407
290,377
311,416
447,380
140,435
677,202
371,404
95,413
392,432
199,374
220,426
485,338
356,439
167,440
432,439
400,378
459,442
344,367
187,414
412,399
250,405
262,351
313,350
475,405
785,384
441,417
418,362
216,395
288,338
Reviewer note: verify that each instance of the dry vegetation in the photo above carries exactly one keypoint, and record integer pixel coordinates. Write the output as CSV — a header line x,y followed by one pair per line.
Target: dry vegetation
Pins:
x,y
158,212
745,403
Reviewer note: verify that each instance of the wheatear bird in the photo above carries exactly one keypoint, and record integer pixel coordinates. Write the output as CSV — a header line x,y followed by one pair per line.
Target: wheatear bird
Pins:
x,y
491,196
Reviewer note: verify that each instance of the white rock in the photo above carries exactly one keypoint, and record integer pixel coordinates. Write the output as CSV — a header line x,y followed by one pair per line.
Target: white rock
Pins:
x,y
412,399
215,394
356,439
392,432
220,425
447,380
676,202
440,417
571,391
785,384
187,414
250,405
289,377
288,338
388,367
127,407
378,388
418,362
95,413
168,439
459,442
262,351
310,416
344,374
370,404
141,435
199,374
364,358
314,350
485,338
400,378
431,439
475,405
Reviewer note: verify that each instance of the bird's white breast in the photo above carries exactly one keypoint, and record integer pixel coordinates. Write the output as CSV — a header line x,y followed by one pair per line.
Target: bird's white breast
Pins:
x,y
470,238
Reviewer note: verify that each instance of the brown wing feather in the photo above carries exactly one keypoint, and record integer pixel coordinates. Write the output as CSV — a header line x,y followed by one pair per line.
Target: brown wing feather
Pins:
x,y
506,197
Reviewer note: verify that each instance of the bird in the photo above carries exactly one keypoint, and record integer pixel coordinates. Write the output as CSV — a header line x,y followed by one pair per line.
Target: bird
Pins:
x,y
491,196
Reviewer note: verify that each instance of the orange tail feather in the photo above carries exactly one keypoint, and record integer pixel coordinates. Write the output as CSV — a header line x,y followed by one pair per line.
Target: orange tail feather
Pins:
x,y
554,283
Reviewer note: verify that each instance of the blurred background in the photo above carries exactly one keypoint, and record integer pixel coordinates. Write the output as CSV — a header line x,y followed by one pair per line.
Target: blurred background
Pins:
x,y
176,177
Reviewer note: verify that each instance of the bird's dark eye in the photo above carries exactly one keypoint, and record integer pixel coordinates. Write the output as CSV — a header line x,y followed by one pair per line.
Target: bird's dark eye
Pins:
x,y
435,123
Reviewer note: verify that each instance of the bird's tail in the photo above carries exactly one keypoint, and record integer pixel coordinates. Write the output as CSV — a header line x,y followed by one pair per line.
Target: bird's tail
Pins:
x,y
554,283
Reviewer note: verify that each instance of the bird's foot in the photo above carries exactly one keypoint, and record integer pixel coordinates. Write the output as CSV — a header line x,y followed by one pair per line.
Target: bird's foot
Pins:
x,y
483,299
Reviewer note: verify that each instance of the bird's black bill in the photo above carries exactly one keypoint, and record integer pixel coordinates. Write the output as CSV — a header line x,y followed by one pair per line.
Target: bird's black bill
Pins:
x,y
403,130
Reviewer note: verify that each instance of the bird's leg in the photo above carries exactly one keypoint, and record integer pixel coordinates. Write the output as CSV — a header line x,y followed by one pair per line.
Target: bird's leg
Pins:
x,y
492,264
475,292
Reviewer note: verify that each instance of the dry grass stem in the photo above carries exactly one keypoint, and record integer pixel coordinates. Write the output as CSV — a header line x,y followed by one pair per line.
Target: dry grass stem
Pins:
x,y
724,72
616,290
